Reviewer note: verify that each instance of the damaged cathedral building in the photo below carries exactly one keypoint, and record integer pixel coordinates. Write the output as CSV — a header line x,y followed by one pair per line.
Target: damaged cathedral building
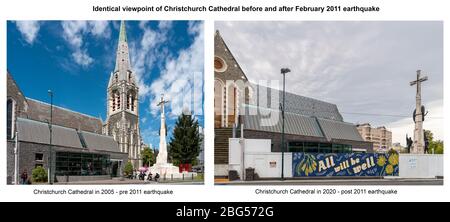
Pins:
x,y
73,146
250,111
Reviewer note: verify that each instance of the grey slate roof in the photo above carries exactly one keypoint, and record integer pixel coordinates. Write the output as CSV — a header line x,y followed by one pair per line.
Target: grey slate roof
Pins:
x,y
298,124
339,130
40,111
100,142
294,123
39,132
299,104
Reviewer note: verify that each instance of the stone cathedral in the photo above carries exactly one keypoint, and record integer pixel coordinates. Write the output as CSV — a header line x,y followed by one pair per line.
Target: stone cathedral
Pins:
x,y
122,121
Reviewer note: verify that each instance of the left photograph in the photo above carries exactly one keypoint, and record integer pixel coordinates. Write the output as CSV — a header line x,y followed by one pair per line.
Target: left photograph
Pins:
x,y
105,102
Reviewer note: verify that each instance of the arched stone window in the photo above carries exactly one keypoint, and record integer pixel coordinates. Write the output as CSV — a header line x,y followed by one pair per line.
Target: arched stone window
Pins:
x,y
219,90
113,101
9,118
128,100
118,100
231,104
132,102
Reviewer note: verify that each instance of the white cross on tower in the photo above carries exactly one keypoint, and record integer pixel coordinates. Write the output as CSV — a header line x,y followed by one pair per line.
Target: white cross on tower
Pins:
x,y
418,144
162,103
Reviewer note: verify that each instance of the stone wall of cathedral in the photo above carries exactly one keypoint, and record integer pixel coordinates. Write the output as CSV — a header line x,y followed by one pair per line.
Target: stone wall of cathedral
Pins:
x,y
124,127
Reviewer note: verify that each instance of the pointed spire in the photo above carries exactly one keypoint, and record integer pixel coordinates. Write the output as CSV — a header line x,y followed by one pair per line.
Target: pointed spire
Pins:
x,y
123,67
123,32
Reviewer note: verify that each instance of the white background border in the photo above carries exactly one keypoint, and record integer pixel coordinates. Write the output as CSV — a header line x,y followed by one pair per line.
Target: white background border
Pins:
x,y
82,10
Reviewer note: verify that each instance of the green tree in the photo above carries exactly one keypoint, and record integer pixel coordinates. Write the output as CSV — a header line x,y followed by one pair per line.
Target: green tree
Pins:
x,y
185,142
437,146
147,156
428,135
128,169
434,146
39,174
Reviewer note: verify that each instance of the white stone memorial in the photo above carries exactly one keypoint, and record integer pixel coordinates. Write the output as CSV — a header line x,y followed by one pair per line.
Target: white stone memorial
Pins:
x,y
165,169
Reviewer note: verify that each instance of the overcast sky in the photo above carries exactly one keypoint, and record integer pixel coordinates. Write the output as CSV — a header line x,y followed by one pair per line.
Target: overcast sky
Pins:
x,y
362,67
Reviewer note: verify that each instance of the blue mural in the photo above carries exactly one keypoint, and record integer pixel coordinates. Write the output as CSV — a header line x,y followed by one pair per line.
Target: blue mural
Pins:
x,y
344,164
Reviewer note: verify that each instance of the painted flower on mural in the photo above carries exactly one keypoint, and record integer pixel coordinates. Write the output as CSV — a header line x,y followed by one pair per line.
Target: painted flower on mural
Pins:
x,y
381,160
389,169
307,165
393,159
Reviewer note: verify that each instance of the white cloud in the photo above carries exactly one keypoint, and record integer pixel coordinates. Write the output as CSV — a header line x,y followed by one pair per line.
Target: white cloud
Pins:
x,y
74,33
165,24
193,28
147,52
181,81
82,58
29,30
100,28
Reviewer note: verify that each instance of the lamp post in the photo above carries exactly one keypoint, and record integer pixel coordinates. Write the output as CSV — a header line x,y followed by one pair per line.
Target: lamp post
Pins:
x,y
283,72
50,161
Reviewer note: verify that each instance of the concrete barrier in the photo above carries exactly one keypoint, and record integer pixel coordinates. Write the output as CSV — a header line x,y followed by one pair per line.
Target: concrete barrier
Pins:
x,y
421,165
267,164
258,155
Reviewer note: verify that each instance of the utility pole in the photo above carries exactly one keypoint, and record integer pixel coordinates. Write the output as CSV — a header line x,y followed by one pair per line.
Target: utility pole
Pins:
x,y
283,72
50,158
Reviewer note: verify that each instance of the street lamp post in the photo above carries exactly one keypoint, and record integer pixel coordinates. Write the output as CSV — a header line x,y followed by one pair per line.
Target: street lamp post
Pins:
x,y
50,161
283,72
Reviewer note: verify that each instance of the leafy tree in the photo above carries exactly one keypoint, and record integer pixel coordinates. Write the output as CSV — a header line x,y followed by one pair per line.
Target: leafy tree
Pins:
x,y
148,157
128,169
428,135
185,142
39,174
434,146
437,146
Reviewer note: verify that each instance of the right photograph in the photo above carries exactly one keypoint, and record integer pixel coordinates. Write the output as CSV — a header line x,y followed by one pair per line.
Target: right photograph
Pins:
x,y
328,103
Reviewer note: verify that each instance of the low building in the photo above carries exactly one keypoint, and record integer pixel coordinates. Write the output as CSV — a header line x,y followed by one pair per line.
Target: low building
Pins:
x,y
379,136
311,125
78,150
399,148
74,155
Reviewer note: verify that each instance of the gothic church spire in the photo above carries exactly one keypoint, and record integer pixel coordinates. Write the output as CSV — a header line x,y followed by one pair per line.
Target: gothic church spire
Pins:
x,y
122,70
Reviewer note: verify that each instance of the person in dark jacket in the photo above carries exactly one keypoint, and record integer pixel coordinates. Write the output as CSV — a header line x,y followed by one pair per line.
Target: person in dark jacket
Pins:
x,y
24,177
156,177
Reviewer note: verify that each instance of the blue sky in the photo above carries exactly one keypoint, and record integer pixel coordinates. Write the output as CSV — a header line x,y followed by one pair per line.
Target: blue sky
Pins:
x,y
75,58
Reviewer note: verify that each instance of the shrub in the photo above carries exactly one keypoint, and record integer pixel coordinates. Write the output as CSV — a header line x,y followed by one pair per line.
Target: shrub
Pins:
x,y
39,174
128,170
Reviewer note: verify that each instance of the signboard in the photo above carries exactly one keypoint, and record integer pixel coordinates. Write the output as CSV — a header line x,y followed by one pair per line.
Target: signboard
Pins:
x,y
412,163
344,164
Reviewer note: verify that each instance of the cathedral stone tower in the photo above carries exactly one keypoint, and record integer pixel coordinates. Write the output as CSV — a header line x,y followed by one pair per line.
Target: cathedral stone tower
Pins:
x,y
123,104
